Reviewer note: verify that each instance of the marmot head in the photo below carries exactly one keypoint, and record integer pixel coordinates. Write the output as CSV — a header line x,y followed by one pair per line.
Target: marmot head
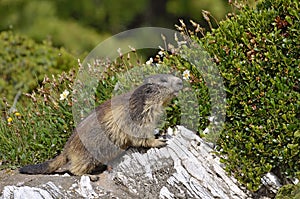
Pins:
x,y
147,100
165,80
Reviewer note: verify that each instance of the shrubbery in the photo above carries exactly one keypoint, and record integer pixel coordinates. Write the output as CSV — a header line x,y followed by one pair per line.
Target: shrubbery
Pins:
x,y
289,192
39,130
257,53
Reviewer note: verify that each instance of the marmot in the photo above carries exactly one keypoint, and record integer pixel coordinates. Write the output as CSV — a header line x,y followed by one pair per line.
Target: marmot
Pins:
x,y
118,123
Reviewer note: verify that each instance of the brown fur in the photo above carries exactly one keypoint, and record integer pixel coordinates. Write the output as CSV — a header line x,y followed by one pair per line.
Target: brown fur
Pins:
x,y
123,121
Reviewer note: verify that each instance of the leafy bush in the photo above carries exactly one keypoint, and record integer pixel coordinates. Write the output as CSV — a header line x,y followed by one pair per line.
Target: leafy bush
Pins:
x,y
257,52
38,131
289,192
23,64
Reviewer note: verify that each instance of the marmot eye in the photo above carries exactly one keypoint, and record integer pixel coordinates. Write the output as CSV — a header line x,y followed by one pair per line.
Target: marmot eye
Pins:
x,y
179,83
148,90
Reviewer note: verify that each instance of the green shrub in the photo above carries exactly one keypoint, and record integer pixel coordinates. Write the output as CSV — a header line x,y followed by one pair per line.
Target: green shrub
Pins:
x,y
23,64
289,192
257,52
39,130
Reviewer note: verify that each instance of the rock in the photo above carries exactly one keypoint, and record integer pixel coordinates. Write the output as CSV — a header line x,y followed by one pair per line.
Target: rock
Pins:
x,y
26,192
85,188
185,168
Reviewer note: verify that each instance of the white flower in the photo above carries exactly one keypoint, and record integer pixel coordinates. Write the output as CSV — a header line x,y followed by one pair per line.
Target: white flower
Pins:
x,y
211,118
150,61
64,95
175,131
161,53
186,75
206,131
170,131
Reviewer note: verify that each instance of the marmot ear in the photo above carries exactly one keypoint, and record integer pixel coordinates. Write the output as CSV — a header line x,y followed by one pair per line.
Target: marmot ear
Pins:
x,y
163,79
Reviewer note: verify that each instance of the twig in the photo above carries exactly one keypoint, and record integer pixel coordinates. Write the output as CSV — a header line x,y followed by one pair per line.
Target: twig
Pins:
x,y
13,107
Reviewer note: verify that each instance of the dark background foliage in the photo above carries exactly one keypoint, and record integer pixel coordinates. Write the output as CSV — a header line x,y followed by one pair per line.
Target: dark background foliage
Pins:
x,y
80,25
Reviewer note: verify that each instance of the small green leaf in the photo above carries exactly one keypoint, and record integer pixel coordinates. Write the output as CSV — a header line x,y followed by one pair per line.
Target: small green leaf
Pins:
x,y
297,134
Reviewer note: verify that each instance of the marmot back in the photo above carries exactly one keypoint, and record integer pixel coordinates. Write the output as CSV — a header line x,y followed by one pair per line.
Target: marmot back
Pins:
x,y
125,120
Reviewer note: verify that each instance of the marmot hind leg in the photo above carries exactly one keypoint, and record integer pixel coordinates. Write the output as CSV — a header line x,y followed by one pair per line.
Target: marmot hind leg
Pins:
x,y
81,166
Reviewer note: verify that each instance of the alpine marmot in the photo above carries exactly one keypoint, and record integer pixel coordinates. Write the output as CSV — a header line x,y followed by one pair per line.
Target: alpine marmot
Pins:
x,y
123,121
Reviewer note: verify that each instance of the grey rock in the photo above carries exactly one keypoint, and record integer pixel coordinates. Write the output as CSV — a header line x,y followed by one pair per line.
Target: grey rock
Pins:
x,y
185,168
